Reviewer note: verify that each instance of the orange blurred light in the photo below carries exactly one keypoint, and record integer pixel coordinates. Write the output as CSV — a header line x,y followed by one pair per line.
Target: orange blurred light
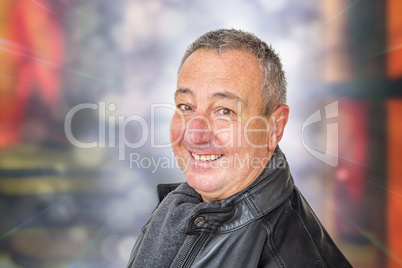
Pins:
x,y
394,39
394,197
37,38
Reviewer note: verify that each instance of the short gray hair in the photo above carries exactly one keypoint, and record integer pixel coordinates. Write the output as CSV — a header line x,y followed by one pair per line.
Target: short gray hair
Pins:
x,y
274,85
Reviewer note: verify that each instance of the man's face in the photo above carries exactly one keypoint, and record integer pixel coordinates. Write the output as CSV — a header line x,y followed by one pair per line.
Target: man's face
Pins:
x,y
218,133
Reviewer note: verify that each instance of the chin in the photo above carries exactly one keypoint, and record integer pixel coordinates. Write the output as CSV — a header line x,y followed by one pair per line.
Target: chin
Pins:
x,y
204,186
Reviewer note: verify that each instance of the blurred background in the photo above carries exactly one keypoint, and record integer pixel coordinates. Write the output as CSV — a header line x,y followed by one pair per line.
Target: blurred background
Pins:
x,y
86,94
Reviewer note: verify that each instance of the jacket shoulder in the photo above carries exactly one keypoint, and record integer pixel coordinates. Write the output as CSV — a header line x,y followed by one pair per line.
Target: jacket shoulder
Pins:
x,y
299,235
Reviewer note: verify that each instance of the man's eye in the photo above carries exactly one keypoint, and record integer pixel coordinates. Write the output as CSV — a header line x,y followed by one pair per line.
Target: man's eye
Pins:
x,y
184,107
225,111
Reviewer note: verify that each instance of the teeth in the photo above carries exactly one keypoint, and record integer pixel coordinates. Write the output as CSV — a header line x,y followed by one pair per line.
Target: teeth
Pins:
x,y
208,157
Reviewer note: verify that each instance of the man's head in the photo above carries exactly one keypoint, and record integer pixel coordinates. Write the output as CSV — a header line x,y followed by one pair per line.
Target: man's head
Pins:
x,y
274,86
223,133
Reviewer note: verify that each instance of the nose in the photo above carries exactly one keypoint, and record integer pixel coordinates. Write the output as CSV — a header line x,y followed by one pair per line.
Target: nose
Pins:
x,y
198,131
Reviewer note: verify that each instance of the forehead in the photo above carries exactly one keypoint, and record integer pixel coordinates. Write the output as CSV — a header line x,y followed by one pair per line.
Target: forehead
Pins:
x,y
231,70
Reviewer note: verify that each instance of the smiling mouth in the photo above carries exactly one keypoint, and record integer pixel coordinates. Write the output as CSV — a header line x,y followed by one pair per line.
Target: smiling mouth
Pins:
x,y
206,157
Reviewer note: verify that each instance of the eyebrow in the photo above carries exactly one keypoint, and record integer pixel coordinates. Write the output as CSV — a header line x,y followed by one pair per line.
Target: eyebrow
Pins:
x,y
217,95
183,91
227,95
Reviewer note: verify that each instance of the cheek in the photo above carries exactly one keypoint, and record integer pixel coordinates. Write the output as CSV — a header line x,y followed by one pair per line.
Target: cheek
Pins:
x,y
177,129
257,139
257,134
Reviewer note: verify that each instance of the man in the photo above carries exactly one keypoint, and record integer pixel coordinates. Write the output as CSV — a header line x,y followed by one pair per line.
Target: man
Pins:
x,y
239,206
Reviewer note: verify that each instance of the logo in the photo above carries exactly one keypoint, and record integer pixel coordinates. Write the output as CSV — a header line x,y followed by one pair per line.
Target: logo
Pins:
x,y
330,154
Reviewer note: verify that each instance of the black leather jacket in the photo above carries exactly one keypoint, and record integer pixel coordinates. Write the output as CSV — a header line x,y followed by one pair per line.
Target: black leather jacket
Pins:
x,y
269,224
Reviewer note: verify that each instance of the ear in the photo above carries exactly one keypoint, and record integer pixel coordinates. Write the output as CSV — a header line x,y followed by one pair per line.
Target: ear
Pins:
x,y
278,120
